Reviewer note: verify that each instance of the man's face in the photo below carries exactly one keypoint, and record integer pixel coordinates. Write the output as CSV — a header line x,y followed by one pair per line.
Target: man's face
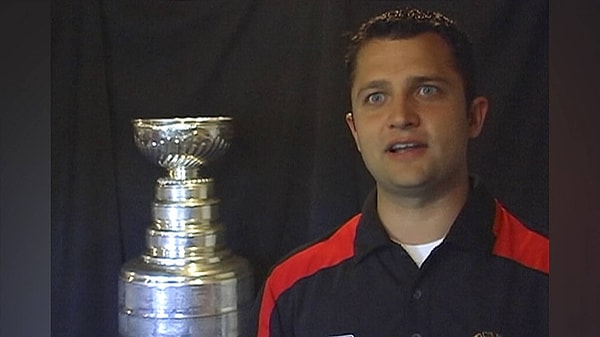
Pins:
x,y
410,119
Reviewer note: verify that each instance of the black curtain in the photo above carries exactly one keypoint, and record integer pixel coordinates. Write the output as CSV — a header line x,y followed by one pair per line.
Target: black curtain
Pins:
x,y
292,172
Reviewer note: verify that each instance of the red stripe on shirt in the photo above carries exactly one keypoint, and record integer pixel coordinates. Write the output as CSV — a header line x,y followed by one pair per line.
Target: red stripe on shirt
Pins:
x,y
324,254
516,242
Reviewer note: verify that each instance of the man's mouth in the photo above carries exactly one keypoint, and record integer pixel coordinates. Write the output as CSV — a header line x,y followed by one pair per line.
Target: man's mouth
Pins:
x,y
398,147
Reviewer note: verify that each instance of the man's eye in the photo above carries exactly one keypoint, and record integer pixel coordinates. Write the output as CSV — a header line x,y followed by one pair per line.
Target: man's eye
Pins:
x,y
427,90
375,98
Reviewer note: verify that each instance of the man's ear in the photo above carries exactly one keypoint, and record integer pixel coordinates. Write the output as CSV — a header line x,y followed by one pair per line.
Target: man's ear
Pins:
x,y
350,122
352,127
477,113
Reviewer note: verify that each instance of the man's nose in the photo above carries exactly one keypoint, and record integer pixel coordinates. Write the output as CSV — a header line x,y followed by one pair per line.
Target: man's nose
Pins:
x,y
403,114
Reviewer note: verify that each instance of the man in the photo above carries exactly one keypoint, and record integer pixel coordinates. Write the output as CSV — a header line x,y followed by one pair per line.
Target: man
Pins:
x,y
431,253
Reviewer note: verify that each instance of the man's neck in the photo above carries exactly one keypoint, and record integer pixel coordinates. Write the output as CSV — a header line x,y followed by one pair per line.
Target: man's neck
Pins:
x,y
416,220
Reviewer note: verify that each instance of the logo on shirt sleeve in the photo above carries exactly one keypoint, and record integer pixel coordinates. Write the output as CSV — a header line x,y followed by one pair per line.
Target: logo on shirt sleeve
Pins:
x,y
487,334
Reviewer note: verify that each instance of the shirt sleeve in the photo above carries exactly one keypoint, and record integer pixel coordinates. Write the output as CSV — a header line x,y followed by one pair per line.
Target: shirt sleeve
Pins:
x,y
263,320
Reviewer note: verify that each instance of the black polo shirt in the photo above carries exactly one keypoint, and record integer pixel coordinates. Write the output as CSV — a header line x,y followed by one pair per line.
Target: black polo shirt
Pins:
x,y
489,277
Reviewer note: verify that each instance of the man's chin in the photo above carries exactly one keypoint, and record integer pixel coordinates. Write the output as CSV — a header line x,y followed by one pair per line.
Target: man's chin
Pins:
x,y
406,187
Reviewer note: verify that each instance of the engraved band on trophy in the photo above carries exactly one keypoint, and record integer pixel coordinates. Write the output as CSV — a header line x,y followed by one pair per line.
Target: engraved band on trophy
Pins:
x,y
187,283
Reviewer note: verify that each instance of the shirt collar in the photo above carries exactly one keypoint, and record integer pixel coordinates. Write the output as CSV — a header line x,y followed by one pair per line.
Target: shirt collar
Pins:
x,y
472,229
370,234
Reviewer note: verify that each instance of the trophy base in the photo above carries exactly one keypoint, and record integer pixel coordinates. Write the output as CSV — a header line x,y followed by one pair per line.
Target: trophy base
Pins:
x,y
187,297
224,325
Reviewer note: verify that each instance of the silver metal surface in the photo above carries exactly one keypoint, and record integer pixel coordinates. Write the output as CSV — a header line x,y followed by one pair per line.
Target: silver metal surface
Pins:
x,y
187,282
181,145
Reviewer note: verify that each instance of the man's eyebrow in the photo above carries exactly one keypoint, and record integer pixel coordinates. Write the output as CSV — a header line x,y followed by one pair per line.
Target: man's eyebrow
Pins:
x,y
426,78
376,84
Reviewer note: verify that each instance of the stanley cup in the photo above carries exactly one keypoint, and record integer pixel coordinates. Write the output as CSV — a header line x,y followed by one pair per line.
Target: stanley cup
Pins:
x,y
187,283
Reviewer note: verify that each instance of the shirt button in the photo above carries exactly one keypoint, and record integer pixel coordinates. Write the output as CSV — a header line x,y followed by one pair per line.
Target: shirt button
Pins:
x,y
416,334
416,295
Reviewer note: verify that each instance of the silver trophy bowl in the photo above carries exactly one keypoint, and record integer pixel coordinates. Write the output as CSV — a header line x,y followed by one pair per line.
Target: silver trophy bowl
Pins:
x,y
183,145
187,283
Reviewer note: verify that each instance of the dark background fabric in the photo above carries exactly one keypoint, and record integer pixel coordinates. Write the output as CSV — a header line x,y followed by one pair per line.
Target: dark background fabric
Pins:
x,y
292,172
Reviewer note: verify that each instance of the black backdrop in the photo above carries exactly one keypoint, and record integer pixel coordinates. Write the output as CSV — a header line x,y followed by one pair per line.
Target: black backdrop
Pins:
x,y
292,172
